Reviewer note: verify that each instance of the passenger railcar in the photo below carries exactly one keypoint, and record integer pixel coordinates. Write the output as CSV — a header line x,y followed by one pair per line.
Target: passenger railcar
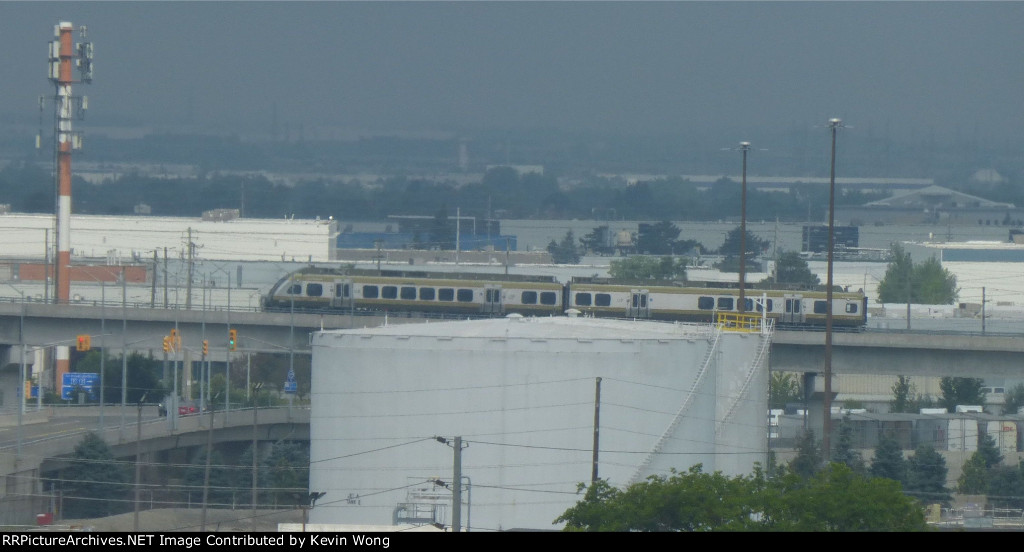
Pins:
x,y
665,302
495,295
455,294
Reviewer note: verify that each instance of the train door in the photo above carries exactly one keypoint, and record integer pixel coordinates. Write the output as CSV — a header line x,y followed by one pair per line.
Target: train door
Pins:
x,y
342,296
639,305
492,300
793,312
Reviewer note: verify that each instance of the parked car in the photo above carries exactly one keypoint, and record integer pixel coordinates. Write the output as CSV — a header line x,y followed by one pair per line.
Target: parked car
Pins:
x,y
187,409
162,409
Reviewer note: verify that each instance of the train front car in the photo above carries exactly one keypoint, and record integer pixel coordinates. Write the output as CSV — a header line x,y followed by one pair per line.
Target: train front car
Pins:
x,y
663,301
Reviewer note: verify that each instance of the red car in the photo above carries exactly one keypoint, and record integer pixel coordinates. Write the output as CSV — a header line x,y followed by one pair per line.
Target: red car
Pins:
x,y
186,409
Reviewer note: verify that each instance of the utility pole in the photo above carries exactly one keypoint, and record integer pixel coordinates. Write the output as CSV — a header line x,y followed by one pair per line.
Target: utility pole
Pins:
x,y
255,467
206,473
983,310
457,487
152,295
165,277
191,248
138,457
597,427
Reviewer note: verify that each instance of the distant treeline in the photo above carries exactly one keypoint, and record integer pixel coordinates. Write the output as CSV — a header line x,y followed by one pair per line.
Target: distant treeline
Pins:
x,y
502,192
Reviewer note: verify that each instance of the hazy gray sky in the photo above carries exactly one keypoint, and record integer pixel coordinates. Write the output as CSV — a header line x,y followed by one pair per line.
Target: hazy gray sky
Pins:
x,y
944,68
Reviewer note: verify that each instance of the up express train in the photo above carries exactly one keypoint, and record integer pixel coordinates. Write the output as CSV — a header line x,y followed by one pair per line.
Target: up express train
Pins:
x,y
460,295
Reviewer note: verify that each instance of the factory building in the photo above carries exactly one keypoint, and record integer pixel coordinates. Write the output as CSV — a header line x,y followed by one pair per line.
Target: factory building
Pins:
x,y
528,398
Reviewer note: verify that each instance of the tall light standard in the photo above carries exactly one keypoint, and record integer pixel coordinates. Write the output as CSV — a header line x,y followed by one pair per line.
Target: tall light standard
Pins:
x,y
742,307
21,378
124,351
833,125
255,466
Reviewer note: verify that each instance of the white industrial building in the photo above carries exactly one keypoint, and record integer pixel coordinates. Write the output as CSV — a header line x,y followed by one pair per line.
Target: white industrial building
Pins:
x,y
521,394
137,237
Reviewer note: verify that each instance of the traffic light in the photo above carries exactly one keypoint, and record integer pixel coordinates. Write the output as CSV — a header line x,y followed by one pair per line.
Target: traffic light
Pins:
x,y
206,347
167,343
175,339
84,343
232,339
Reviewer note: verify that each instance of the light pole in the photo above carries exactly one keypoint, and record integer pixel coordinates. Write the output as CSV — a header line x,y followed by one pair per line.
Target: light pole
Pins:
x,y
124,349
833,125
21,378
103,348
255,406
742,307
138,459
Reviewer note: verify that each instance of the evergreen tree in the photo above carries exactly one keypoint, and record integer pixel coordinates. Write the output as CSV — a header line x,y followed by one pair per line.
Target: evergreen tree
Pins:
x,y
565,251
844,452
1006,486
888,461
902,395
793,269
1013,400
222,481
974,478
442,232
94,484
285,470
926,475
808,459
989,450
961,391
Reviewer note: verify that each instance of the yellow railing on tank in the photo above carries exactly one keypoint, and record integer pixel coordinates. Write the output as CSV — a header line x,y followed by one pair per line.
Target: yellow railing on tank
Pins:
x,y
737,322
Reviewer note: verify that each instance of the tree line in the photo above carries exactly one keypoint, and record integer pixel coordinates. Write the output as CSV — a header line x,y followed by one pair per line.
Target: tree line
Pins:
x,y
502,192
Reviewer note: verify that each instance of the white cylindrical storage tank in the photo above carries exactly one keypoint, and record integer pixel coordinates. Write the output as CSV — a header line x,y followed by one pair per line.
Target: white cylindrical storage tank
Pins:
x,y
521,394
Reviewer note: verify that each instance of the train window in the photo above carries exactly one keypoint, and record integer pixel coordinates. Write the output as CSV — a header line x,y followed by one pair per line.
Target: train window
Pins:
x,y
446,294
347,291
389,292
295,289
851,308
706,303
529,297
748,305
602,300
465,296
338,290
426,294
548,297
583,299
314,290
821,307
494,296
408,292
370,292
760,307
725,303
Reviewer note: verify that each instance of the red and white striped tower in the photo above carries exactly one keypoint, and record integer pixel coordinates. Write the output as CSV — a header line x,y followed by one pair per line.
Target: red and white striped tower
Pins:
x,y
62,55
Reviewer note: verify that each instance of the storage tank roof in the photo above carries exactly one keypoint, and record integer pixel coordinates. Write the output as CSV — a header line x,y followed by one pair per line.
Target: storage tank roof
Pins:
x,y
559,327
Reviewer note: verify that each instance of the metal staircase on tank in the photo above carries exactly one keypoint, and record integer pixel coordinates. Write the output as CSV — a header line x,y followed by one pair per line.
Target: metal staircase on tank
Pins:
x,y
766,329
710,354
